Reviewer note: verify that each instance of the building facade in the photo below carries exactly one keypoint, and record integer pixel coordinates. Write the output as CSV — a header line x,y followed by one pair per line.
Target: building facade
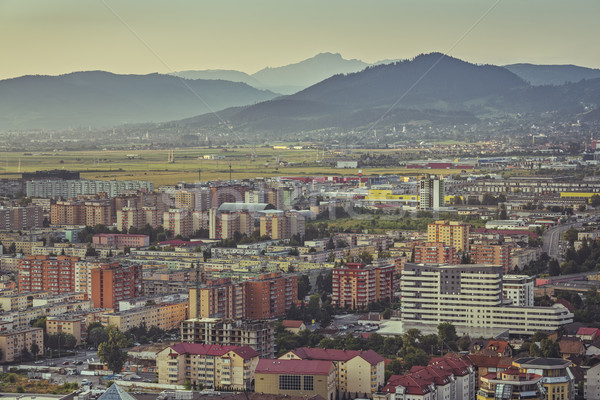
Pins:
x,y
111,283
451,233
55,275
356,285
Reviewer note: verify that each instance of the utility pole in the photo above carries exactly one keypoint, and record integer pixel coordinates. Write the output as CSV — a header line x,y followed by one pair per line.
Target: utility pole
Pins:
x,y
230,173
199,175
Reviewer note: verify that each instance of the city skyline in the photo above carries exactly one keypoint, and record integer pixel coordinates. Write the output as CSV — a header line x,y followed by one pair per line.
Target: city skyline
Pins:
x,y
67,36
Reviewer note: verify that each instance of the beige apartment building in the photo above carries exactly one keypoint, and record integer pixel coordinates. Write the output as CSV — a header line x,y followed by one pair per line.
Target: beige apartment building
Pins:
x,y
451,233
75,326
14,341
166,316
212,366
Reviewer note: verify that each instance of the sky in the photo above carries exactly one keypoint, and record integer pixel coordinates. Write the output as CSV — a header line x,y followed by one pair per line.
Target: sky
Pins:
x,y
145,36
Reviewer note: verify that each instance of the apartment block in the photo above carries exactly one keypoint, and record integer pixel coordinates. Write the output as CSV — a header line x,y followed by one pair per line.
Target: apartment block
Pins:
x,y
211,366
166,316
496,254
356,285
451,233
98,213
431,193
260,335
14,341
356,371
185,200
76,326
281,225
17,218
178,221
436,253
111,283
220,298
67,213
49,274
271,295
19,301
470,297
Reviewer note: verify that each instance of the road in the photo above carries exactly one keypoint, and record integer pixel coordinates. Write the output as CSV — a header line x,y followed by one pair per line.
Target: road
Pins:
x,y
553,236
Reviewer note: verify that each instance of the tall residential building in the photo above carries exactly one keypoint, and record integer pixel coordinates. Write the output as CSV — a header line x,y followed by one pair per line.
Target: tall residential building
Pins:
x,y
67,213
435,253
178,222
226,224
72,188
130,217
44,273
470,297
431,193
496,254
212,366
271,295
185,200
111,283
451,233
519,289
17,218
260,335
98,213
220,298
278,224
356,285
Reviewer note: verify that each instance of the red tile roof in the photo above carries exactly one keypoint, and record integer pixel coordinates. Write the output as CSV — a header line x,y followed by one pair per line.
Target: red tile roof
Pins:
x,y
412,385
583,331
295,367
498,346
311,353
290,323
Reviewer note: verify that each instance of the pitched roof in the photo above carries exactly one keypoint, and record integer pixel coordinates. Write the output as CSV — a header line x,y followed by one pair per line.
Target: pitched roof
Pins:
x,y
571,345
290,323
246,352
412,384
312,353
116,392
584,331
298,367
498,346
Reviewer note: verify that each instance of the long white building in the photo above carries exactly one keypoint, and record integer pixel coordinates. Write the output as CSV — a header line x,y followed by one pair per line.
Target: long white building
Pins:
x,y
470,297
72,188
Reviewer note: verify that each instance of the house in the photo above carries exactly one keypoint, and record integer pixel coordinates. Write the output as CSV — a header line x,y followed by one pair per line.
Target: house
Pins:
x,y
292,326
571,346
588,334
500,347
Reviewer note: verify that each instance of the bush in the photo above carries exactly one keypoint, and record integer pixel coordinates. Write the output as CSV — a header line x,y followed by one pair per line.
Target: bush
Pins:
x,y
20,389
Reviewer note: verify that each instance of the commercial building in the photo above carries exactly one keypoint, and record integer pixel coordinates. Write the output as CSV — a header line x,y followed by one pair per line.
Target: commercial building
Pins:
x,y
260,335
431,193
519,289
512,383
13,342
48,274
356,371
116,240
451,233
496,254
557,379
111,283
306,378
356,285
470,297
212,366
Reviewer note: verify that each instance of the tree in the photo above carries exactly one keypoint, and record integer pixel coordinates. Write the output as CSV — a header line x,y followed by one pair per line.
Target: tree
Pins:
x,y
571,235
303,286
447,335
554,267
91,252
97,335
595,200
35,350
366,257
110,351
414,356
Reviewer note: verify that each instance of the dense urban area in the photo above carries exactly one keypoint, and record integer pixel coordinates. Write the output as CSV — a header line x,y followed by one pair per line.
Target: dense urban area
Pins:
x,y
467,272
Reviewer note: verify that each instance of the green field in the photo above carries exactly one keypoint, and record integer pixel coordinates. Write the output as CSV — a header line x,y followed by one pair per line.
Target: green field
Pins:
x,y
153,165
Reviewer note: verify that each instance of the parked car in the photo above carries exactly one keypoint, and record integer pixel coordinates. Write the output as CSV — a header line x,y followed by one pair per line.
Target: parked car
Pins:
x,y
65,363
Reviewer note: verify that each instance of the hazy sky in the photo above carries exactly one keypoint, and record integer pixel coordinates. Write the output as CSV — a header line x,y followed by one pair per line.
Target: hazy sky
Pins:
x,y
143,36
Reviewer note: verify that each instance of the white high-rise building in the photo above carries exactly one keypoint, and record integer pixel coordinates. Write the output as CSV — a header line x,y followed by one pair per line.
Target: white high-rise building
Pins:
x,y
519,289
470,297
431,193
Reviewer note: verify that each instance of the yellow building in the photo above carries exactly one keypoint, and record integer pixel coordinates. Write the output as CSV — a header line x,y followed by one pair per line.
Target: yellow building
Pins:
x,y
557,378
356,371
213,366
510,384
13,342
451,233
306,378
75,326
166,316
19,301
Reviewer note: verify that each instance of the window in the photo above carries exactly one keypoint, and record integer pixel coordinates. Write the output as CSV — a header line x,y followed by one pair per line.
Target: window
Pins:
x,y
289,382
308,383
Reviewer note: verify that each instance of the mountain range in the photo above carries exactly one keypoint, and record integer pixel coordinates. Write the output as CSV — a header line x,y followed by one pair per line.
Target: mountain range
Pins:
x,y
335,93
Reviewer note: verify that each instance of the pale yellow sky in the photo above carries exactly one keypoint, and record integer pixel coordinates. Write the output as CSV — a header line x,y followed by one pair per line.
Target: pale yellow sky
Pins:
x,y
61,36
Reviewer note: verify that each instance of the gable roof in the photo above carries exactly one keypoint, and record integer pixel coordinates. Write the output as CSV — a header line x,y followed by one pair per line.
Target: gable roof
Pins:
x,y
312,353
297,367
290,323
499,346
571,345
584,331
212,349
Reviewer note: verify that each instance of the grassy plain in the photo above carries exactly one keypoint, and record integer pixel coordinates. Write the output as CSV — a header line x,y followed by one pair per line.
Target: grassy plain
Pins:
x,y
153,165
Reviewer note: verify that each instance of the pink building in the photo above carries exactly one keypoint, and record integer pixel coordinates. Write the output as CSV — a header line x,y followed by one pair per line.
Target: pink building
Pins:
x,y
120,240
